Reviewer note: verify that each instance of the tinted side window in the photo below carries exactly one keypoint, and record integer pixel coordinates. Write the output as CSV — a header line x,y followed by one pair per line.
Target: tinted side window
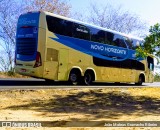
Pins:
x,y
81,31
109,38
97,35
59,26
126,64
118,41
67,28
129,42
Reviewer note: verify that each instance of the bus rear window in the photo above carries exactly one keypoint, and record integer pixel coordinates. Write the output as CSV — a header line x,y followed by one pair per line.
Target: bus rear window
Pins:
x,y
27,31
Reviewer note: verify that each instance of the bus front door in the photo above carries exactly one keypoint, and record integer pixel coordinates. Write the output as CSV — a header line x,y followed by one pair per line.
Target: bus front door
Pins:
x,y
63,64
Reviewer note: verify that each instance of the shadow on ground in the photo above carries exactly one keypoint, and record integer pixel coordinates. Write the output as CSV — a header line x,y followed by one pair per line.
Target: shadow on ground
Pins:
x,y
95,103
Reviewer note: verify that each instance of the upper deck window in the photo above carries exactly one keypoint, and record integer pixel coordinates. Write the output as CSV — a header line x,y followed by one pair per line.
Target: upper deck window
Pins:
x,y
129,42
97,35
115,40
81,31
59,26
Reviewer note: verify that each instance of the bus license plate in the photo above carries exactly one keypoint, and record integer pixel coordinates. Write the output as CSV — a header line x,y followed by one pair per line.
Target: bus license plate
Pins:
x,y
23,70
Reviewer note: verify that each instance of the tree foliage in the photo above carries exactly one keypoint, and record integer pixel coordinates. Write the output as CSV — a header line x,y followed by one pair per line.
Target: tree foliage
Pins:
x,y
54,6
151,43
8,19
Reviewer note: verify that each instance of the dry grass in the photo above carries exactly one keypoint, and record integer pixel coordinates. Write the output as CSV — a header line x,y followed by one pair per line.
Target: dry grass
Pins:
x,y
14,75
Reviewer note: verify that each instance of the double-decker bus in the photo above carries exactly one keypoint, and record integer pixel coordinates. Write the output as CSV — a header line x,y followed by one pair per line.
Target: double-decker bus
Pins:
x,y
54,47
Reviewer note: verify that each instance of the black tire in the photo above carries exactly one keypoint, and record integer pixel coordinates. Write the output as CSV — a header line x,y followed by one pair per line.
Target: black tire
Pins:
x,y
140,81
88,78
74,77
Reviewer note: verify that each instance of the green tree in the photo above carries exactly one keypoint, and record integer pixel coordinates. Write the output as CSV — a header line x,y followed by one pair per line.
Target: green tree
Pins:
x,y
151,43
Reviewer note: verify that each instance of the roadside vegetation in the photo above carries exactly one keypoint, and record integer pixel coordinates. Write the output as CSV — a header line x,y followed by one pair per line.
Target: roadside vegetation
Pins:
x,y
157,78
11,74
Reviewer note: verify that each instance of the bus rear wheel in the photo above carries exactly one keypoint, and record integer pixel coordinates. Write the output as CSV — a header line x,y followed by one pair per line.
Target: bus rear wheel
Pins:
x,y
74,77
88,78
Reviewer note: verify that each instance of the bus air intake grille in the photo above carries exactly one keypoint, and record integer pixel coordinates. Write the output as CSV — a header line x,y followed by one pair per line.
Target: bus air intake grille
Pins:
x,y
26,46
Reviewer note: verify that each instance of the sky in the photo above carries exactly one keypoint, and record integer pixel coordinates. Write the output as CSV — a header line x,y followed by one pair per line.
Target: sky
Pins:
x,y
147,10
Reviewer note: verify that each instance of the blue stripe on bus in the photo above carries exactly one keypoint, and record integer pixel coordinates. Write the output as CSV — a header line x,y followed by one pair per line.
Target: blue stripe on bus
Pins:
x,y
103,51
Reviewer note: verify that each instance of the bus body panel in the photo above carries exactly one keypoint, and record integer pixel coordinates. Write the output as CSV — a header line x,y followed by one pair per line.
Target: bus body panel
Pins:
x,y
63,64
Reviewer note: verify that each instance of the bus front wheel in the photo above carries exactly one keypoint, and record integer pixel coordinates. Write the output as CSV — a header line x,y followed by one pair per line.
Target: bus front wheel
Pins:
x,y
140,81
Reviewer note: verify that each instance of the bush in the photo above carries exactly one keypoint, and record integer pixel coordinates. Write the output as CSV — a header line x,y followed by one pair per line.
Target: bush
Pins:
x,y
157,77
11,73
